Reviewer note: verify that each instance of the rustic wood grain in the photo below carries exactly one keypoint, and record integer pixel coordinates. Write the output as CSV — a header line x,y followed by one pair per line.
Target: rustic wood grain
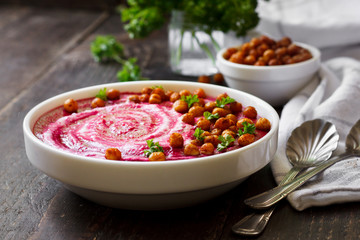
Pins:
x,y
34,206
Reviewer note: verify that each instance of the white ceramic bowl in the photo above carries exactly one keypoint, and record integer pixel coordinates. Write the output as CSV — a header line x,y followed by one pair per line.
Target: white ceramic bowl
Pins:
x,y
151,185
274,84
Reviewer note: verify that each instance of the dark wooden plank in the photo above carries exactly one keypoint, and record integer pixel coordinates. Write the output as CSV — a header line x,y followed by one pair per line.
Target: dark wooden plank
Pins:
x,y
31,39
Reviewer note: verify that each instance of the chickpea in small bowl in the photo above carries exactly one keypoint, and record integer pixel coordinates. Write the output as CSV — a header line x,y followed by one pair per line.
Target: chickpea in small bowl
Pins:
x,y
269,69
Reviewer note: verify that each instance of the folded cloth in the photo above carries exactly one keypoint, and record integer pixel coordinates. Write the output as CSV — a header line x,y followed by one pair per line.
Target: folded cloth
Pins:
x,y
320,23
333,95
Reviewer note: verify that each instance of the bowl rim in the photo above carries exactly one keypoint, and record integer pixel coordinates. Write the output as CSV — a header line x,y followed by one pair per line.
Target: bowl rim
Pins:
x,y
27,127
316,55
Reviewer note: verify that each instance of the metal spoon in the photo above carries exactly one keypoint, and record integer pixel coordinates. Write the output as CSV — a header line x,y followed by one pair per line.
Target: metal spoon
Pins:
x,y
268,198
308,145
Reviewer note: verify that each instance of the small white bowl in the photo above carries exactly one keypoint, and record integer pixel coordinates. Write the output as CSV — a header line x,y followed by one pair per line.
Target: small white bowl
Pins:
x,y
274,84
151,185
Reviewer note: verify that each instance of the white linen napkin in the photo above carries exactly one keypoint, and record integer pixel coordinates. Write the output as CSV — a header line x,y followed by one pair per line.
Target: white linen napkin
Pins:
x,y
333,95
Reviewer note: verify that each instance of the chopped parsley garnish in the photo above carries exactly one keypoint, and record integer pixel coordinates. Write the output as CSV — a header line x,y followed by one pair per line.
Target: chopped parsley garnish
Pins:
x,y
153,147
210,116
190,99
223,101
105,48
102,94
248,128
154,87
198,134
225,142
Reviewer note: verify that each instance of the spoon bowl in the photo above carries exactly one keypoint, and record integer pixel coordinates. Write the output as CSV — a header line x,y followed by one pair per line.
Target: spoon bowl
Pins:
x,y
308,145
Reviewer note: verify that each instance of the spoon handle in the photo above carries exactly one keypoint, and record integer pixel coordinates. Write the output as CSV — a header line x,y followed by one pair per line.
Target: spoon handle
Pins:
x,y
267,199
255,223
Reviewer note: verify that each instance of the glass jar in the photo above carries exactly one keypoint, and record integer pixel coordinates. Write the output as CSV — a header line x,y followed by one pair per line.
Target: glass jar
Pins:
x,y
192,51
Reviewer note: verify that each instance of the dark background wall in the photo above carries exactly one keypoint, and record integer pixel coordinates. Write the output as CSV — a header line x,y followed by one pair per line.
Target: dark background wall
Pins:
x,y
75,4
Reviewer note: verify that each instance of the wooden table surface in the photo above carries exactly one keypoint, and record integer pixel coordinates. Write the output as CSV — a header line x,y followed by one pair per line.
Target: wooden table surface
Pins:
x,y
45,52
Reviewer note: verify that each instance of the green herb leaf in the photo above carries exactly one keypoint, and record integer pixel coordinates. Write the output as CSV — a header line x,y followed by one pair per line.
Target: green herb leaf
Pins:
x,y
105,48
190,99
198,134
225,142
130,71
102,94
153,147
223,101
210,116
154,87
248,128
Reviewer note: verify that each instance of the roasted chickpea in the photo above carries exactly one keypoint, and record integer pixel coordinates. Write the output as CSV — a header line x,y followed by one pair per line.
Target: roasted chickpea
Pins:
x,y
223,123
204,79
200,93
263,124
176,140
250,60
228,132
188,118
180,106
245,47
113,154
221,111
134,98
268,54
144,97
239,123
230,51
216,131
213,139
185,92
70,105
146,90
232,117
235,107
168,94
262,48
293,49
157,156
233,128
196,142
155,98
159,91
218,78
209,106
222,95
205,134
284,42
197,111
207,149
237,57
97,102
203,123
250,112
246,139
200,103
191,150
174,97
113,94
254,42
274,62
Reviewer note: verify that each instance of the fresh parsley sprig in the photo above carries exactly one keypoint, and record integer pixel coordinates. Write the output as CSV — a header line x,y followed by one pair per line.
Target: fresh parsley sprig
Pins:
x,y
224,142
190,99
248,128
153,147
198,134
102,94
210,116
223,101
106,48
130,71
